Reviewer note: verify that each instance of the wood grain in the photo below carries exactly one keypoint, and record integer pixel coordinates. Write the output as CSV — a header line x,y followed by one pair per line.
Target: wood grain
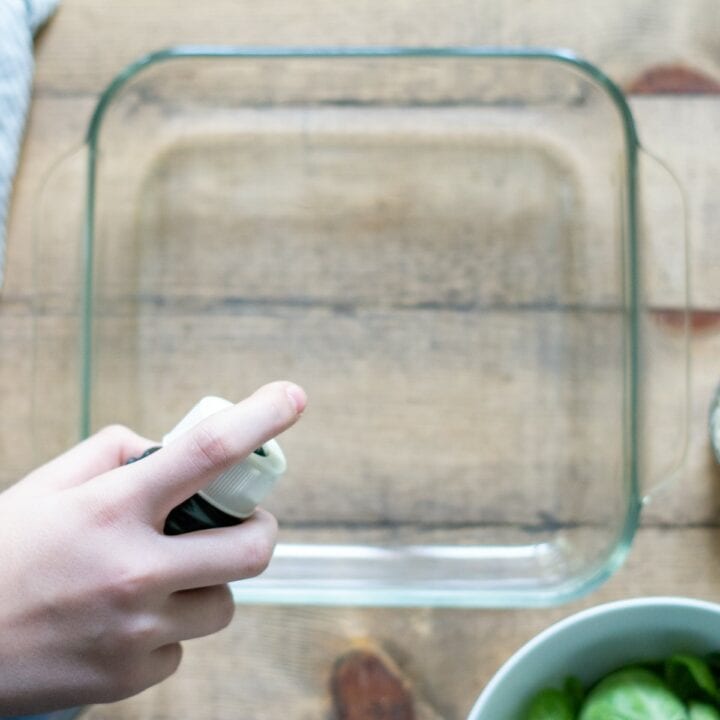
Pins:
x,y
282,658
275,661
90,41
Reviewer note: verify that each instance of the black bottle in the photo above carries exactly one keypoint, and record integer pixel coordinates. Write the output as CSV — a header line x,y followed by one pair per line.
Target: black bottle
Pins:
x,y
232,496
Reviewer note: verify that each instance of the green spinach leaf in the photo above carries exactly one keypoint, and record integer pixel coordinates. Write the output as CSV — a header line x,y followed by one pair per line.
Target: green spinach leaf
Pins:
x,y
551,704
576,693
702,711
632,694
690,678
713,661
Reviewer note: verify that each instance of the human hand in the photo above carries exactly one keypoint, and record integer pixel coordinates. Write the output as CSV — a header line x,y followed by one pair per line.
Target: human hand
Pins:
x,y
94,598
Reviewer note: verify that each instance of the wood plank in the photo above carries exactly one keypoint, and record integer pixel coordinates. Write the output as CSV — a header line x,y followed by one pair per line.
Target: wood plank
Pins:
x,y
435,207
691,499
16,420
402,406
56,127
282,657
54,123
89,42
682,135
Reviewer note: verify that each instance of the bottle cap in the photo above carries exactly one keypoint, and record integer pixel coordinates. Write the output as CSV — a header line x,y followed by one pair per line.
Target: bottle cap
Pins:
x,y
238,490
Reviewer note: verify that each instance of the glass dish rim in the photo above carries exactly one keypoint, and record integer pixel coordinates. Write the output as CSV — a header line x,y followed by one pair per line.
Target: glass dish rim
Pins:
x,y
579,585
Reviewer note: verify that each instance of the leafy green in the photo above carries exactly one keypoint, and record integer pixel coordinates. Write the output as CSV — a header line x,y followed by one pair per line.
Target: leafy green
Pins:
x,y
551,704
654,666
682,687
576,693
690,678
702,711
632,694
713,661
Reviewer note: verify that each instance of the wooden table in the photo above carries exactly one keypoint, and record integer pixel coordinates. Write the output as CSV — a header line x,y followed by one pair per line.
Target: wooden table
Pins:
x,y
272,653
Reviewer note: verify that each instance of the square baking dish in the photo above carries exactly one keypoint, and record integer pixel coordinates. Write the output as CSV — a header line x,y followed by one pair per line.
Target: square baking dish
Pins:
x,y
442,246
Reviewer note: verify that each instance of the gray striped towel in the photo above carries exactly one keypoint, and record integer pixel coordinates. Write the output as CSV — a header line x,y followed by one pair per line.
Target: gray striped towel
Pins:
x,y
19,19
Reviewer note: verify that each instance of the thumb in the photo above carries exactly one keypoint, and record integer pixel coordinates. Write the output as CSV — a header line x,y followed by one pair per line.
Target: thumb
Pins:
x,y
105,450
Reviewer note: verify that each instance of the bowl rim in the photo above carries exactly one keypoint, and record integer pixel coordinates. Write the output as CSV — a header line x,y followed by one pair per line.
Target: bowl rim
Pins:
x,y
614,607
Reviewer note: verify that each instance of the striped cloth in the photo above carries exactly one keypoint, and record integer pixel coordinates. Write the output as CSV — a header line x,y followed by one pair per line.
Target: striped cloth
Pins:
x,y
19,19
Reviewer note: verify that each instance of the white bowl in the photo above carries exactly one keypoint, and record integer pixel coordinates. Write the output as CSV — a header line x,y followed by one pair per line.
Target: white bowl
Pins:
x,y
594,642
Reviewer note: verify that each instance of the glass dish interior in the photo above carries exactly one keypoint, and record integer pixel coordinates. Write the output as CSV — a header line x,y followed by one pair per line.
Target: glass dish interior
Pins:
x,y
440,247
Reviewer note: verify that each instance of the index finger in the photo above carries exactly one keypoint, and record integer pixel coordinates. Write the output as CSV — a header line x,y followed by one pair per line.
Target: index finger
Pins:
x,y
194,459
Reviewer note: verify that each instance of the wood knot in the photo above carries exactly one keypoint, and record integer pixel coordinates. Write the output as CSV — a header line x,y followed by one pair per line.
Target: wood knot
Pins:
x,y
674,79
366,685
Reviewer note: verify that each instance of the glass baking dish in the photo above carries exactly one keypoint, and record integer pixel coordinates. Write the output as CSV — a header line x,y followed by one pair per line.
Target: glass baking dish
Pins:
x,y
443,246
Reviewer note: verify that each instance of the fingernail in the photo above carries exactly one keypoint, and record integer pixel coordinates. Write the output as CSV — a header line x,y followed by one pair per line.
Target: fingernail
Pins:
x,y
297,396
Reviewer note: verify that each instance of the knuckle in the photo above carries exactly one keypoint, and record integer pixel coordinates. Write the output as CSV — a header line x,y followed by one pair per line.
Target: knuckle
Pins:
x,y
132,583
117,436
136,672
130,679
106,513
141,632
257,554
269,524
209,448
109,511
115,431
135,633
172,657
225,608
119,677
